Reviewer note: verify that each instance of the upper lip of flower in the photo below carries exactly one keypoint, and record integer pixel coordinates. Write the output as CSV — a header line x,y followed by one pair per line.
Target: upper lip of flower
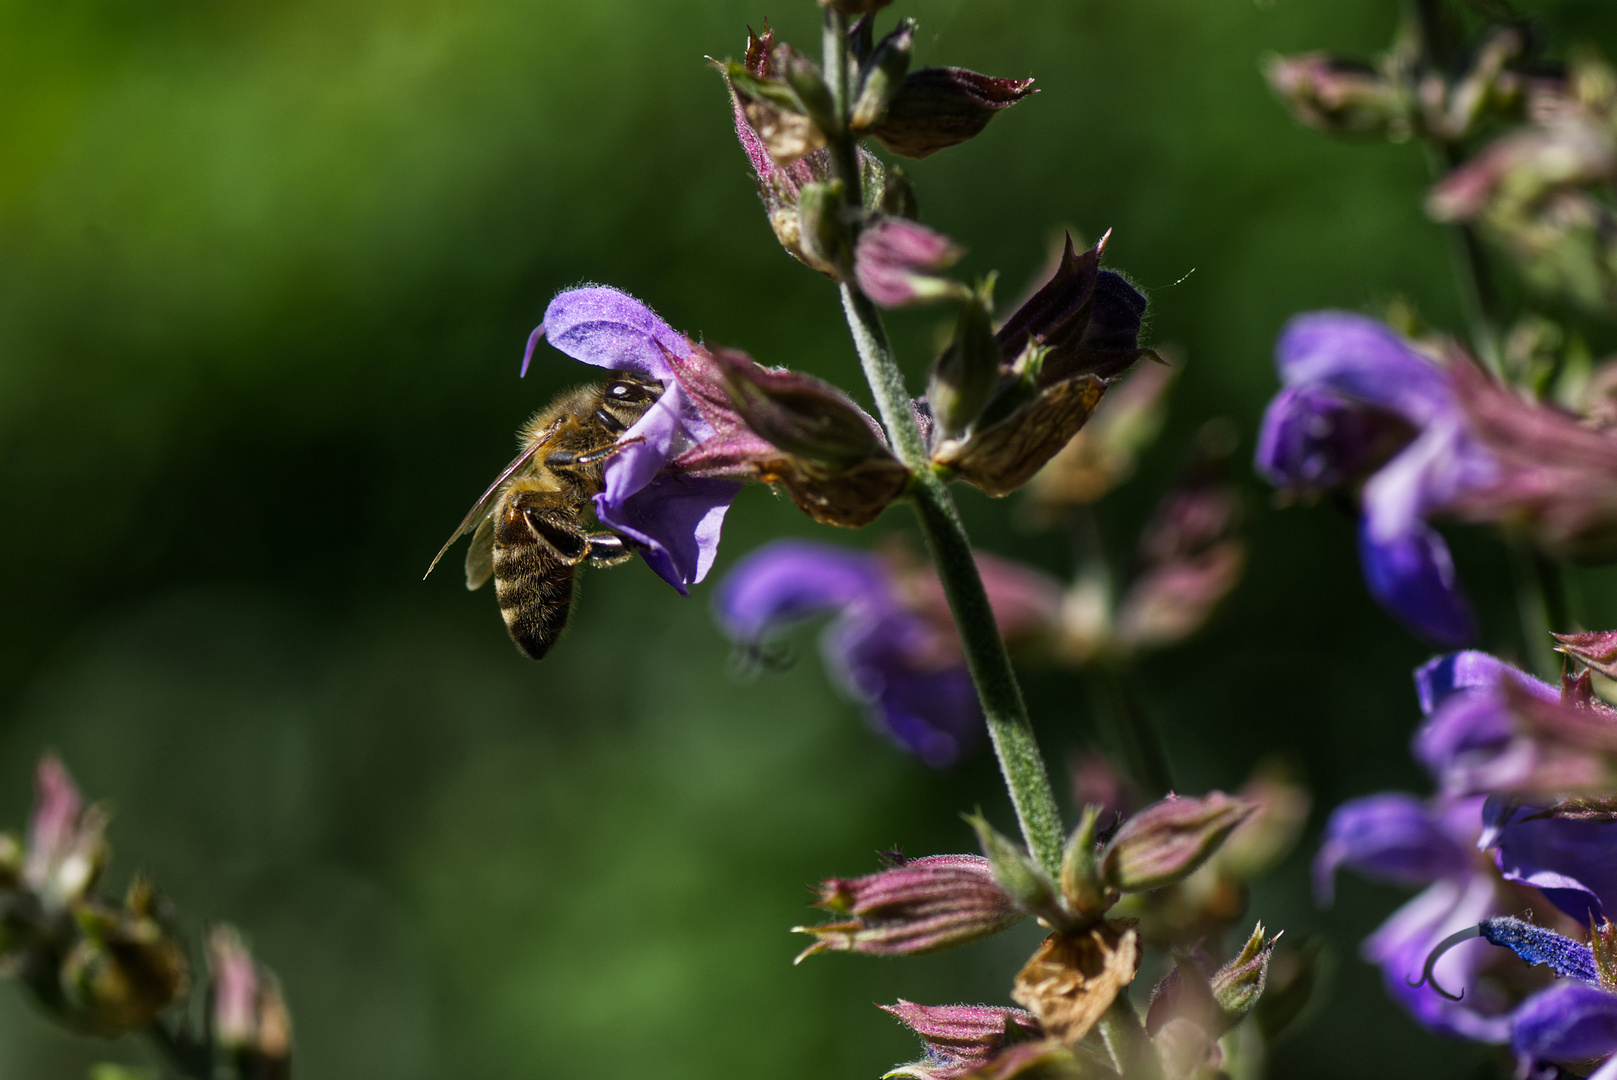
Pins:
x,y
673,521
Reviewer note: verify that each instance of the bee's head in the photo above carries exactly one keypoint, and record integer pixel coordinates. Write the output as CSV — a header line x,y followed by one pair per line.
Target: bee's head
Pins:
x,y
627,397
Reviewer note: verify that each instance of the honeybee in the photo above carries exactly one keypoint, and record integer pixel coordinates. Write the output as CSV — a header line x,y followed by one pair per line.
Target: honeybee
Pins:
x,y
526,530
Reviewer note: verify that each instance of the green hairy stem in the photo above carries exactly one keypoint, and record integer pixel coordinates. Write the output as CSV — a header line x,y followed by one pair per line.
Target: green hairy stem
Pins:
x,y
1008,725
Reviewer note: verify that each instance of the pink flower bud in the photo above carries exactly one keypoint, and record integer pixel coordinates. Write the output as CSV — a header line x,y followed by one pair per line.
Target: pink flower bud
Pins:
x,y
67,849
1595,650
893,260
919,906
1169,839
960,1039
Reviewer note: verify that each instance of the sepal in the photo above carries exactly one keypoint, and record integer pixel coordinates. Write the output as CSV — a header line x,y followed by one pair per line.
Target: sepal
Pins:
x,y
936,108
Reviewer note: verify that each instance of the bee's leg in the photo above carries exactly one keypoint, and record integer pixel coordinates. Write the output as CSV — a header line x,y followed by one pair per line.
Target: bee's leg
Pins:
x,y
559,531
561,459
607,549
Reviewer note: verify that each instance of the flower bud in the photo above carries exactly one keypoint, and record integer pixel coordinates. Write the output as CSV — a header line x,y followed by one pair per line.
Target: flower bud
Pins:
x,y
67,848
936,108
897,198
1294,975
883,75
1086,896
250,1018
803,76
960,1039
1343,97
1239,984
1597,651
920,906
1018,873
124,969
893,260
1169,839
965,375
1073,978
824,237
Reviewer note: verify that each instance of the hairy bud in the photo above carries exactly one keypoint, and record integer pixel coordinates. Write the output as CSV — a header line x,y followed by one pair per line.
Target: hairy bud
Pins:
x,y
124,969
964,376
824,236
960,1039
1597,650
1082,889
882,76
1238,985
1169,839
920,906
893,264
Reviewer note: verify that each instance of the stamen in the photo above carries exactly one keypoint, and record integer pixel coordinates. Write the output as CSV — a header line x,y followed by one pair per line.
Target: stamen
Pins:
x,y
1444,946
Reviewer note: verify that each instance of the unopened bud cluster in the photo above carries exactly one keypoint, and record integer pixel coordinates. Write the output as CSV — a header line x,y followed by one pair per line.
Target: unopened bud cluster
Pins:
x,y
110,968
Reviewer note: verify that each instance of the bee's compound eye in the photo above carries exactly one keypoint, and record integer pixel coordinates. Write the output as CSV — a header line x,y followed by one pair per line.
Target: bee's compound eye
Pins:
x,y
619,390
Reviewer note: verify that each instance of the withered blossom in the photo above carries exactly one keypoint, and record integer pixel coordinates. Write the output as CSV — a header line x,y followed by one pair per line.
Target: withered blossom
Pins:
x,y
1073,977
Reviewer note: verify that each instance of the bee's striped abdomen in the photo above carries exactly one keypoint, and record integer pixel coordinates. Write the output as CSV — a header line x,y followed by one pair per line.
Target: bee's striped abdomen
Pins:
x,y
533,581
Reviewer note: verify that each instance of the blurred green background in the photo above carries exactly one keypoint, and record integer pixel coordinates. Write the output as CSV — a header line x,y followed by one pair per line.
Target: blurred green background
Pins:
x,y
266,271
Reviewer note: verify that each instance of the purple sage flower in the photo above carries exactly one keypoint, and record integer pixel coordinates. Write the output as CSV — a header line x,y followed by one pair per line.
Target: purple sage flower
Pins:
x,y
1403,840
673,520
1359,404
906,668
1570,1021
1491,728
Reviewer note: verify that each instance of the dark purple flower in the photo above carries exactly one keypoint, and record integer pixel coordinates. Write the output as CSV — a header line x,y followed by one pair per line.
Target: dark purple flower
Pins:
x,y
1573,863
1569,1022
673,520
1400,839
906,668
1358,403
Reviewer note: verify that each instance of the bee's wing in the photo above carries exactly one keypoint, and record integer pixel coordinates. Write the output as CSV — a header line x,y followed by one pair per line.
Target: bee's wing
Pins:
x,y
480,512
480,555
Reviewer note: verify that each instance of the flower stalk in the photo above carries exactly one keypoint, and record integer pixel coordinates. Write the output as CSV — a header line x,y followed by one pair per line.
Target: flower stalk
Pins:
x,y
1003,707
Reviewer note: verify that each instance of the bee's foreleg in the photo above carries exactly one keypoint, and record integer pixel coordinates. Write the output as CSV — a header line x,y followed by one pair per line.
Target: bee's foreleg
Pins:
x,y
606,549
563,458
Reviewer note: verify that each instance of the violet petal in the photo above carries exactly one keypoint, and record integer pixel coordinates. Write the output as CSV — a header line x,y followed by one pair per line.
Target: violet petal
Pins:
x,y
1567,1022
1390,837
1364,360
674,522
1574,863
1412,577
1402,944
